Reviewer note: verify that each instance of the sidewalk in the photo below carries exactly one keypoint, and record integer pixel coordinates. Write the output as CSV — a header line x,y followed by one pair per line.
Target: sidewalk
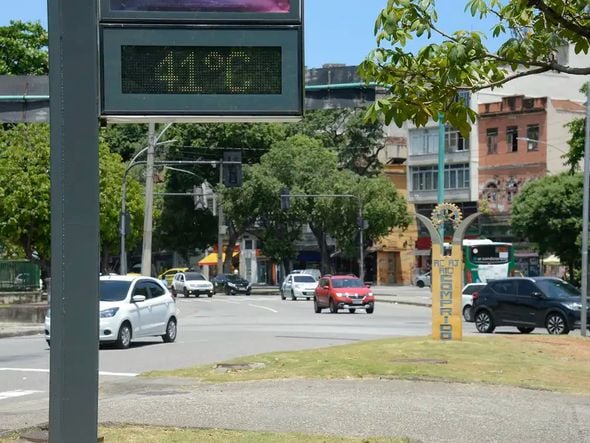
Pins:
x,y
403,295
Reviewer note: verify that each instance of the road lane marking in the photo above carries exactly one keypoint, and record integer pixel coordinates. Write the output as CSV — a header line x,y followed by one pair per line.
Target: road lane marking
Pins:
x,y
18,393
263,307
115,374
231,302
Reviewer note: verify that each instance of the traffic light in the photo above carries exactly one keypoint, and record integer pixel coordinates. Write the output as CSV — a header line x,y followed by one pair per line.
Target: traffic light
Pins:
x,y
232,170
285,199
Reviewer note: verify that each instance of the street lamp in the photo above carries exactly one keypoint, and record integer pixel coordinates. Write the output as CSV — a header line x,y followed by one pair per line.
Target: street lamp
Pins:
x,y
532,140
123,227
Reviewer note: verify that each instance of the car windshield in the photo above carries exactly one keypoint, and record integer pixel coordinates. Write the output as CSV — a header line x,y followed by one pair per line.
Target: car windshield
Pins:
x,y
113,290
234,277
557,288
194,276
303,279
347,283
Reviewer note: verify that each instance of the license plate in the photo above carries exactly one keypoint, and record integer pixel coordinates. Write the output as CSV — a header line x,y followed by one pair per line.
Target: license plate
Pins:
x,y
357,302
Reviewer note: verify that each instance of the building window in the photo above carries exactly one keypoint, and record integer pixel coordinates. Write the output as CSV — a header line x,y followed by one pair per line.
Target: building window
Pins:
x,y
248,244
454,141
492,134
512,138
532,134
425,178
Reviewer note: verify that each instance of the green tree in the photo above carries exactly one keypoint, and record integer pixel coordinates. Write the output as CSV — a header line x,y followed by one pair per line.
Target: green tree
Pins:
x,y
577,129
25,194
306,167
424,84
357,141
548,212
23,49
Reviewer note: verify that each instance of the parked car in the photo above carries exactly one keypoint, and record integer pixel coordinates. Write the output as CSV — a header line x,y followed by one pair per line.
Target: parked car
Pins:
x,y
132,307
169,274
528,303
232,284
343,292
467,294
191,283
422,280
298,286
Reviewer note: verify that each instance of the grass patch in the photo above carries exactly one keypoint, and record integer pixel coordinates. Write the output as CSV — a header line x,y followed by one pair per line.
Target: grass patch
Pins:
x,y
154,434
555,363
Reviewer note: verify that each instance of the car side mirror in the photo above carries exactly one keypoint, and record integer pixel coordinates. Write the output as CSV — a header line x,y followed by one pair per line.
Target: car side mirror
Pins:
x,y
138,298
537,294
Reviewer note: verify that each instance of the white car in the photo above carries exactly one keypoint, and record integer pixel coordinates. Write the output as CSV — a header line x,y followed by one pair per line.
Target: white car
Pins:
x,y
422,280
189,282
467,295
132,307
298,286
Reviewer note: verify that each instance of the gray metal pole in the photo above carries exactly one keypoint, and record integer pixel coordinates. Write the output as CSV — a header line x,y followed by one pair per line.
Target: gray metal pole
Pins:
x,y
362,243
123,228
73,84
586,207
220,224
146,256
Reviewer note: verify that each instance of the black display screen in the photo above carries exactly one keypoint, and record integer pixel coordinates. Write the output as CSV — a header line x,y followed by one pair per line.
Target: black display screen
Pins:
x,y
201,70
263,6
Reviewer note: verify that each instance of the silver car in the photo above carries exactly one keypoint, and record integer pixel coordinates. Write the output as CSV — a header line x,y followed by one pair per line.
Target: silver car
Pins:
x,y
422,280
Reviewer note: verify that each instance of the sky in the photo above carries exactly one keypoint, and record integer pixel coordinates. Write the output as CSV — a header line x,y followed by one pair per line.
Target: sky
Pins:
x,y
336,31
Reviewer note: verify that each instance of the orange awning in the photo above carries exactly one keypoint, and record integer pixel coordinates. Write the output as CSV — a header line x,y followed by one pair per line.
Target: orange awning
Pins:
x,y
211,259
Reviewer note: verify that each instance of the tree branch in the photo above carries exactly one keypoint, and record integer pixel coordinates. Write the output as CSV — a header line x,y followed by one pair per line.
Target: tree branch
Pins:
x,y
559,19
513,77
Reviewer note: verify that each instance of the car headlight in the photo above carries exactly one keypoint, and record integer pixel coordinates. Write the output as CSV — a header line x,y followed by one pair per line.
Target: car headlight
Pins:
x,y
341,294
574,306
231,285
370,294
107,313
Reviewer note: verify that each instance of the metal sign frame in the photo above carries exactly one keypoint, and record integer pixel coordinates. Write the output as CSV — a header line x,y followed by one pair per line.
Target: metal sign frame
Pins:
x,y
109,14
237,107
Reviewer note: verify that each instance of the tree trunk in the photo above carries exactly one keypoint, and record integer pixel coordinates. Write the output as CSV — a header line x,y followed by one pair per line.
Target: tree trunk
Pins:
x,y
320,235
229,249
104,261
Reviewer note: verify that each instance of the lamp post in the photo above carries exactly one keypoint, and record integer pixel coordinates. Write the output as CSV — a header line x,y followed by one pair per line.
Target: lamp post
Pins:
x,y
123,227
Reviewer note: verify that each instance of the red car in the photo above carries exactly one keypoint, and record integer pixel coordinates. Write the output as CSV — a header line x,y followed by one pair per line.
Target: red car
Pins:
x,y
343,292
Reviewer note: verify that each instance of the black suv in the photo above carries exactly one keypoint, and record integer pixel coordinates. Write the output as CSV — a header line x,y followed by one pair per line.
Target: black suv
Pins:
x,y
231,284
527,303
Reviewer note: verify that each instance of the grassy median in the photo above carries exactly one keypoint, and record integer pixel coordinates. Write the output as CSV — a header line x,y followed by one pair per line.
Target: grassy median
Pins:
x,y
555,363
156,434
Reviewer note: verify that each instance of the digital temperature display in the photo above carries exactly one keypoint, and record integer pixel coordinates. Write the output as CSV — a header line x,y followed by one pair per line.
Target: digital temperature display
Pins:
x,y
201,70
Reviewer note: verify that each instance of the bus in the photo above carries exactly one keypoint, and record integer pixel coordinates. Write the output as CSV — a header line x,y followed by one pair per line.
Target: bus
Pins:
x,y
485,260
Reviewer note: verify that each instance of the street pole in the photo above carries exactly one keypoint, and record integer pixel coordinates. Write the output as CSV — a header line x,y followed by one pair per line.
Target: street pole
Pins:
x,y
146,256
220,224
586,207
73,85
441,174
361,241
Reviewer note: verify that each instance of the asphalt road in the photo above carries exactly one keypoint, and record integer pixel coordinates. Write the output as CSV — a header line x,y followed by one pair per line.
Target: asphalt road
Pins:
x,y
210,330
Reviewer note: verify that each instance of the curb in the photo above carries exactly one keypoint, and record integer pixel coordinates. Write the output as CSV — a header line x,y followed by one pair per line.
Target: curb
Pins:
x,y
404,302
25,332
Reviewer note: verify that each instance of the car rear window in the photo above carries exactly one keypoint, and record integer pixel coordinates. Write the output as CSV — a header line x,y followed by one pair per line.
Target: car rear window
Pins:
x,y
113,290
471,289
347,283
303,279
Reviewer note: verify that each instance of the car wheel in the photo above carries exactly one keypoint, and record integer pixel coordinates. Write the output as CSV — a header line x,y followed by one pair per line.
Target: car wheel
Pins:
x,y
210,294
48,342
333,306
283,296
248,292
124,336
293,296
484,322
316,306
467,313
171,331
352,310
185,292
420,283
556,324
370,310
525,330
